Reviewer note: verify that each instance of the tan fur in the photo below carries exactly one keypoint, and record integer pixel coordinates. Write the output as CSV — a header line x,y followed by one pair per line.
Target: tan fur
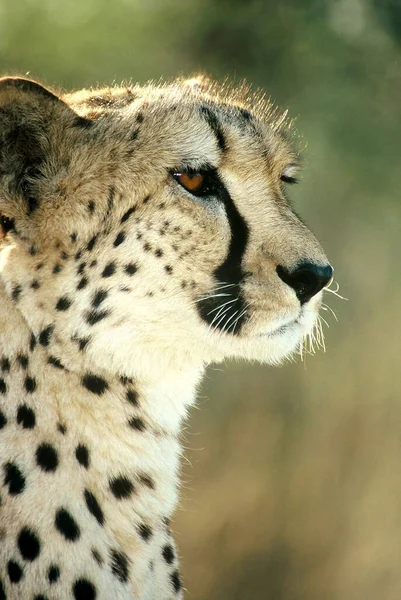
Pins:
x,y
86,159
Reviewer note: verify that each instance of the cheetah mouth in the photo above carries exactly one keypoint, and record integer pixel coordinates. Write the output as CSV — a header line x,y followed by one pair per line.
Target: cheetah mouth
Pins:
x,y
282,329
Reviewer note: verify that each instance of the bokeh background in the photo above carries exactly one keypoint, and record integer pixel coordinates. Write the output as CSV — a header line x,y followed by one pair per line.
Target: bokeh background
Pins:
x,y
292,477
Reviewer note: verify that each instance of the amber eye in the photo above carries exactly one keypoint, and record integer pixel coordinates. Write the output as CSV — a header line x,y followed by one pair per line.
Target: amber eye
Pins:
x,y
192,182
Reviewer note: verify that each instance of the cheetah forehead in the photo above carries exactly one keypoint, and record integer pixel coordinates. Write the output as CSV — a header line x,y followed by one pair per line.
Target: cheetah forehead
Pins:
x,y
189,91
233,104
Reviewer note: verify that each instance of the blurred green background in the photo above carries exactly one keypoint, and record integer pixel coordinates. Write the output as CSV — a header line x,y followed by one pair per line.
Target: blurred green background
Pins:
x,y
292,487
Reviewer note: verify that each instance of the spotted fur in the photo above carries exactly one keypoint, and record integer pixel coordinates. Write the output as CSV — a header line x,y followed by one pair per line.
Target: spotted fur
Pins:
x,y
117,288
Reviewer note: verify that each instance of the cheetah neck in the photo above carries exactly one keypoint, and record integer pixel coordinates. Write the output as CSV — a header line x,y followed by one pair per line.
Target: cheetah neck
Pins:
x,y
106,446
105,452
167,385
133,424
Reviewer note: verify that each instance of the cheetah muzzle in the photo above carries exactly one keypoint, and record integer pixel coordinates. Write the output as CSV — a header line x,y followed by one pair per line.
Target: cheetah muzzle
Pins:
x,y
145,233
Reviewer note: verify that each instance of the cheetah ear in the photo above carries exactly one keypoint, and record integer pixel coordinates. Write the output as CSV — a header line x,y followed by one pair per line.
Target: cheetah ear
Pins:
x,y
30,116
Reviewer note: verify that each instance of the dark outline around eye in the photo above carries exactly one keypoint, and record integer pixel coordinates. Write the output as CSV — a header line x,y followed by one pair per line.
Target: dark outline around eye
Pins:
x,y
288,179
210,185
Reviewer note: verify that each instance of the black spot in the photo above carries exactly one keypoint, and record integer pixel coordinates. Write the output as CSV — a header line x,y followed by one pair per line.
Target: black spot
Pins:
x,y
82,455
94,507
82,283
119,239
81,268
110,199
16,292
3,420
67,525
168,554
244,113
168,269
121,487
94,316
137,423
91,207
99,297
84,590
167,523
53,573
91,243
96,555
62,428
147,247
145,532
39,266
5,365
23,360
32,342
15,573
63,303
45,335
93,383
28,544
148,481
78,255
3,387
33,204
130,268
176,581
26,417
35,285
127,214
55,362
134,135
82,123
93,263
109,270
73,237
57,268
119,565
30,384
14,479
158,252
146,200
46,457
139,117
132,397
2,591
40,597
6,224
83,342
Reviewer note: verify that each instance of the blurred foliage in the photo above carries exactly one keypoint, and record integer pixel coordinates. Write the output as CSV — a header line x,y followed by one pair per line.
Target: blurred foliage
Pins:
x,y
296,493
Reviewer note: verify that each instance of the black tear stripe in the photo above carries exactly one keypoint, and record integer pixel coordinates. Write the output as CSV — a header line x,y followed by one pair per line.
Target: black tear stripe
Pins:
x,y
229,272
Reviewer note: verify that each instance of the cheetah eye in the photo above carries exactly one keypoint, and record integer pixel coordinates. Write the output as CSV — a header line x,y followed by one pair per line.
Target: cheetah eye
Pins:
x,y
192,182
289,175
201,183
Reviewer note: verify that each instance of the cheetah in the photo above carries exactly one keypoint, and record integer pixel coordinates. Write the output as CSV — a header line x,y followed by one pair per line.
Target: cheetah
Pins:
x,y
145,233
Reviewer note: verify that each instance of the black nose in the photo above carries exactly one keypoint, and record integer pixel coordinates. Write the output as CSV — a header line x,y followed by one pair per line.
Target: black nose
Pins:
x,y
307,279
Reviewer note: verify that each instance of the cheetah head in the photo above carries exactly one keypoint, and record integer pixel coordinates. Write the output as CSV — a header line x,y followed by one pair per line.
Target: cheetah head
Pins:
x,y
145,226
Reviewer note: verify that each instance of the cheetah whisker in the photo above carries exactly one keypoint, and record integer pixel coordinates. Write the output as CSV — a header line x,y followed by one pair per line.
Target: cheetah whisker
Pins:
x,y
217,307
328,308
335,292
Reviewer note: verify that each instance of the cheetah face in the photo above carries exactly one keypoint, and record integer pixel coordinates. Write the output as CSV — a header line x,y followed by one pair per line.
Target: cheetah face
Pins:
x,y
155,223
